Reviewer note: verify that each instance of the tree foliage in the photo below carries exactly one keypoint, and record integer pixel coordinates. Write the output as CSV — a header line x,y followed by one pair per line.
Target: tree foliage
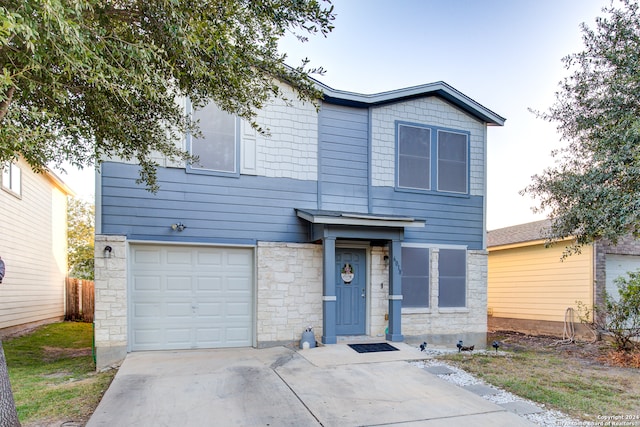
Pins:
x,y
80,232
593,190
81,80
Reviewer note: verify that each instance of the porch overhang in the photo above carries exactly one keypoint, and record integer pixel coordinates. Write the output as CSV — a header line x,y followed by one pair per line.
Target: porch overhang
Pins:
x,y
330,226
352,219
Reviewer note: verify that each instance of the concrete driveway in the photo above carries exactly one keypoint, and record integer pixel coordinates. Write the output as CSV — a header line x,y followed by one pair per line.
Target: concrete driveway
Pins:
x,y
324,386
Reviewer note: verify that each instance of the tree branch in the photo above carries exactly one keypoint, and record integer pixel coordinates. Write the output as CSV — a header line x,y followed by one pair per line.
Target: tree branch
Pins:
x,y
4,105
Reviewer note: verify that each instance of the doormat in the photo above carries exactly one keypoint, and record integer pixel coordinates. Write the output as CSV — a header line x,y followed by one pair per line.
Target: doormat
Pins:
x,y
372,347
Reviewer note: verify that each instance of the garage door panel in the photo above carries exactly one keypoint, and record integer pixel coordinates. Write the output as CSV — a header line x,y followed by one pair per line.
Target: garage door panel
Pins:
x,y
179,283
191,297
147,283
179,310
242,284
141,310
145,337
147,257
239,259
180,336
238,309
209,283
211,310
208,258
179,257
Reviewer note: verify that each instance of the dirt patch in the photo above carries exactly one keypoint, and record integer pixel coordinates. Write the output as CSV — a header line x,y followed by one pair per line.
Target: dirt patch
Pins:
x,y
596,353
55,353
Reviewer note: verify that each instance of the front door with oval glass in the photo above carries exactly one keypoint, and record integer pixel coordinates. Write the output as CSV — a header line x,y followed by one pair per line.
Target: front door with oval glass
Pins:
x,y
351,291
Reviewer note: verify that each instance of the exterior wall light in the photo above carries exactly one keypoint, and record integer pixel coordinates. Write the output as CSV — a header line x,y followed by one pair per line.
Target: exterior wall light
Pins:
x,y
178,226
107,251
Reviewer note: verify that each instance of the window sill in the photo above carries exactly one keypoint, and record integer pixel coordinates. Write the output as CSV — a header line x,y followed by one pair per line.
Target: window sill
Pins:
x,y
13,193
431,192
212,172
416,310
445,310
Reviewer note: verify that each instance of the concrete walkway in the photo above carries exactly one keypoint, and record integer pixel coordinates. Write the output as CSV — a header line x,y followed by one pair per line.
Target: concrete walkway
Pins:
x,y
325,386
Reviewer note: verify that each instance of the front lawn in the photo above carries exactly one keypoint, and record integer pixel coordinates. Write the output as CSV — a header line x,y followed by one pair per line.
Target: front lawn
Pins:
x,y
53,375
574,378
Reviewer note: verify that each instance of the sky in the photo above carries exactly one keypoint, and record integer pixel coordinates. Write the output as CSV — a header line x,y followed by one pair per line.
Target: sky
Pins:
x,y
504,54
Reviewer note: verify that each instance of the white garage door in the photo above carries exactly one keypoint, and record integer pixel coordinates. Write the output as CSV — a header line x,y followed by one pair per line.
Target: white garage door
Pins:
x,y
619,265
185,297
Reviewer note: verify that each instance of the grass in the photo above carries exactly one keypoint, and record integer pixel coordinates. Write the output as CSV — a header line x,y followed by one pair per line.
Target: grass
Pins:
x,y
53,375
573,385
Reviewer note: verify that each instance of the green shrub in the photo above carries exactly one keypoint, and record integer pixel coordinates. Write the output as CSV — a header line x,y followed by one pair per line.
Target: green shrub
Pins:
x,y
620,316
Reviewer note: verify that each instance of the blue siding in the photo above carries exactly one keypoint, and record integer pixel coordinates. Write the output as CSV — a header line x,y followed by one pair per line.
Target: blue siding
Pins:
x,y
214,209
247,209
451,220
344,159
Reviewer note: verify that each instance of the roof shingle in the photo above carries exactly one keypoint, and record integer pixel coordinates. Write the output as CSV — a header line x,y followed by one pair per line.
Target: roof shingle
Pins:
x,y
518,233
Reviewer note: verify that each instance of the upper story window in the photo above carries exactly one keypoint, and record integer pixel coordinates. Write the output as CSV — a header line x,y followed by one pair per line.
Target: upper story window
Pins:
x,y
12,178
414,157
217,149
452,162
422,162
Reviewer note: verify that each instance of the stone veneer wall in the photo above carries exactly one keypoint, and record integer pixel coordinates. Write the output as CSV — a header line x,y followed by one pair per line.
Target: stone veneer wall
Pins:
x,y
289,292
110,300
379,292
445,326
289,299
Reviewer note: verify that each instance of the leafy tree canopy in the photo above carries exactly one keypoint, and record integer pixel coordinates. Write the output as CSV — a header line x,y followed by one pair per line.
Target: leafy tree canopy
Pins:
x,y
81,80
593,191
80,232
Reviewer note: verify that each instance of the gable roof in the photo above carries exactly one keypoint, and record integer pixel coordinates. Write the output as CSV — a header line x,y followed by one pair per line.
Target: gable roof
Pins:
x,y
57,182
440,89
529,232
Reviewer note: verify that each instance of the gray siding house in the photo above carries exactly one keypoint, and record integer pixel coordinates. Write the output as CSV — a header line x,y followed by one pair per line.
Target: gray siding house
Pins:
x,y
365,218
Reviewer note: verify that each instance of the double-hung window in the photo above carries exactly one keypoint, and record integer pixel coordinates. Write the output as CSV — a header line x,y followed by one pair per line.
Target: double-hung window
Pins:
x,y
11,178
217,147
415,277
431,158
414,157
452,278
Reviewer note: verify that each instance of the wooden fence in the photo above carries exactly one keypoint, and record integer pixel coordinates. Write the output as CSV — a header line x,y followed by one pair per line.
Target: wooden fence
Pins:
x,y
80,300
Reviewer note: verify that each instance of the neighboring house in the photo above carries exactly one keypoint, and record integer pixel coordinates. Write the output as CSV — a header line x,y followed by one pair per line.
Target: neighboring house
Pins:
x,y
365,218
533,290
33,245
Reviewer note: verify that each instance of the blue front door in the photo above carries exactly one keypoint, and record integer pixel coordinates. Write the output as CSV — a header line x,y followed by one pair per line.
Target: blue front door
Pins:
x,y
351,291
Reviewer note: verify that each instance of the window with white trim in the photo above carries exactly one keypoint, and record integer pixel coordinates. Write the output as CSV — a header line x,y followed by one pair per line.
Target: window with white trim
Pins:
x,y
12,178
428,154
217,148
452,278
415,277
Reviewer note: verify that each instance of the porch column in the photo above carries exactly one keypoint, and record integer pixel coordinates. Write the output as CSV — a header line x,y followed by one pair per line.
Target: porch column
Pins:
x,y
329,291
395,292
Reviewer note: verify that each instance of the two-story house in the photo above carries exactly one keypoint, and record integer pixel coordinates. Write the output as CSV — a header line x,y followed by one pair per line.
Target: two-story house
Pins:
x,y
363,218
33,245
